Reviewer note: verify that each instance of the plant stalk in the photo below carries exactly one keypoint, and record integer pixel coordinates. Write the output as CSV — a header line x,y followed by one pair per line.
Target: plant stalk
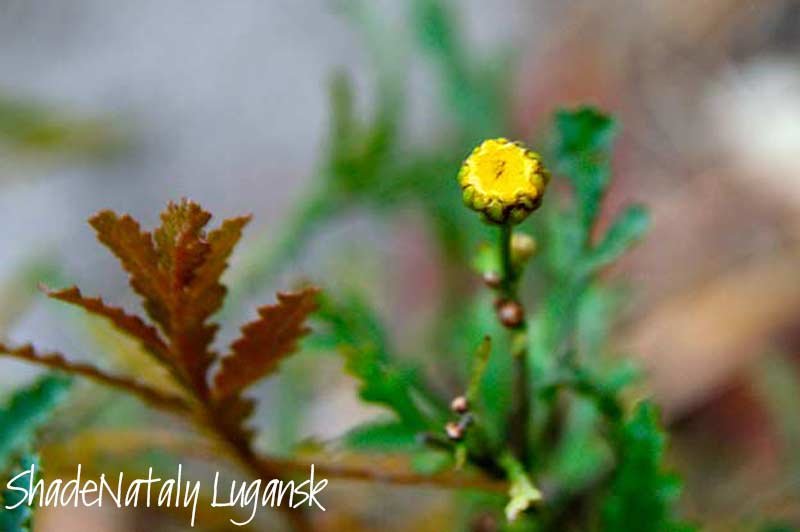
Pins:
x,y
521,403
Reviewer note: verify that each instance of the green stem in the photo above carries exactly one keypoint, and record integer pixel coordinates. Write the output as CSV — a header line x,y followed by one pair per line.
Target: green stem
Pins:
x,y
522,399
521,407
509,275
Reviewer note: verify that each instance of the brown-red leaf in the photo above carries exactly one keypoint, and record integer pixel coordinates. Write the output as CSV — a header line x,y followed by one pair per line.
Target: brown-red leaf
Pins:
x,y
127,323
135,250
177,271
57,361
265,342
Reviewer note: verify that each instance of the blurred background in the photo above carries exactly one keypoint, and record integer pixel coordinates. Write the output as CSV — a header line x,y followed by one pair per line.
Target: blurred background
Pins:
x,y
128,105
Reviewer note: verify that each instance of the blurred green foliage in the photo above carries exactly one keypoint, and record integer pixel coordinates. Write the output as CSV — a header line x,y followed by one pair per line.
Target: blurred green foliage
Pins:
x,y
25,412
20,516
641,495
23,415
26,126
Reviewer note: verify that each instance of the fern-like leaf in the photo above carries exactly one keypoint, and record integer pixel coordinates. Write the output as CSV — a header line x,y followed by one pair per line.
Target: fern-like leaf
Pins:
x,y
265,342
137,254
25,412
358,336
642,493
15,514
129,324
57,361
176,270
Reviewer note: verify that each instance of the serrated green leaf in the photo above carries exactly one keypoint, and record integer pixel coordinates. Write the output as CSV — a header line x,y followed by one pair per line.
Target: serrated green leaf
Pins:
x,y
25,412
361,340
642,494
628,228
584,138
382,436
19,518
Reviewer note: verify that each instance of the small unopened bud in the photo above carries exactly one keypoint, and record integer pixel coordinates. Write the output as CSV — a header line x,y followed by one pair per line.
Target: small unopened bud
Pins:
x,y
492,279
523,247
454,431
510,313
459,405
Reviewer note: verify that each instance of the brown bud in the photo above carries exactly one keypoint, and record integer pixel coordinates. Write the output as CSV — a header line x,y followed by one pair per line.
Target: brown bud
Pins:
x,y
454,431
492,279
510,313
459,405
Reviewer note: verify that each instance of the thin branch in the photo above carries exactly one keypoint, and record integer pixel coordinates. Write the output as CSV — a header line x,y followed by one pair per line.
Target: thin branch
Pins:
x,y
57,361
403,478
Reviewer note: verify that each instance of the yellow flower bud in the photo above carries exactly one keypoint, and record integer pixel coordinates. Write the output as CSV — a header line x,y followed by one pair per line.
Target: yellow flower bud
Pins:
x,y
503,180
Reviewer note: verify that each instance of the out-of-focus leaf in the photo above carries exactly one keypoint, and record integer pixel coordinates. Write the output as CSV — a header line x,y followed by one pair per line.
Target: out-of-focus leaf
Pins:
x,y
553,324
17,292
362,342
382,436
629,227
582,452
479,362
487,260
594,319
522,493
641,495
476,108
357,152
584,137
431,462
19,518
25,412
623,373
562,240
31,127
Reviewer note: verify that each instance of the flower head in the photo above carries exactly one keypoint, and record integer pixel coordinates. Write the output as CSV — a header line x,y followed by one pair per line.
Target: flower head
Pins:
x,y
503,180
